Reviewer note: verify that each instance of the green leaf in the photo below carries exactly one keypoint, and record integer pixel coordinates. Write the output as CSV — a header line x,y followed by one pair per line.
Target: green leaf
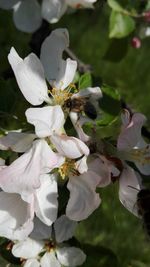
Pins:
x,y
115,5
7,255
110,106
85,81
120,25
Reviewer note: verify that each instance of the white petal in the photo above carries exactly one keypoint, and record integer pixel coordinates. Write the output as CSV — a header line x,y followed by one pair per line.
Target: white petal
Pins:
x,y
81,165
32,263
70,256
18,142
131,131
93,93
30,77
83,198
27,249
66,75
22,176
64,228
16,217
46,204
46,120
77,125
41,231
49,260
52,10
58,72
51,52
129,186
7,4
27,16
69,147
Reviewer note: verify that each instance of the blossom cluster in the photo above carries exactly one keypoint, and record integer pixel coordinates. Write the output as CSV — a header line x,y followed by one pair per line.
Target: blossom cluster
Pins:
x,y
28,14
49,160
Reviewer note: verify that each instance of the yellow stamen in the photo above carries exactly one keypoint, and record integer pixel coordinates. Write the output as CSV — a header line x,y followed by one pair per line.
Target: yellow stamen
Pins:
x,y
68,168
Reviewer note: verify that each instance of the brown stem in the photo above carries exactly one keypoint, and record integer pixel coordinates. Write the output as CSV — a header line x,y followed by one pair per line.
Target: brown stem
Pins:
x,y
82,67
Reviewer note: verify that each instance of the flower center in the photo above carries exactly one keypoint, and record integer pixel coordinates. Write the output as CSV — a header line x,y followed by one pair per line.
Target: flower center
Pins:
x,y
49,246
68,168
60,96
141,155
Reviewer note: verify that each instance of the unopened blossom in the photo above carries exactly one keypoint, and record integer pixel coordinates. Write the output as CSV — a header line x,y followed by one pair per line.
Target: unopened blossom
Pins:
x,y
44,251
131,145
28,14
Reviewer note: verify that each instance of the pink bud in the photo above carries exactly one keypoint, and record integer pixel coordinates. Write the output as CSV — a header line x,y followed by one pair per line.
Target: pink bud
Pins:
x,y
147,16
136,42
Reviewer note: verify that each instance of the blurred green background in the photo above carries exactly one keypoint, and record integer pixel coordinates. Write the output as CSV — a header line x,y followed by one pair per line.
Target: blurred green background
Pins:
x,y
112,235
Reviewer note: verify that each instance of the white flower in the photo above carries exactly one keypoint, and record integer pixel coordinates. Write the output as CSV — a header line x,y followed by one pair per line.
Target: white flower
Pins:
x,y
28,14
131,144
17,215
54,252
23,175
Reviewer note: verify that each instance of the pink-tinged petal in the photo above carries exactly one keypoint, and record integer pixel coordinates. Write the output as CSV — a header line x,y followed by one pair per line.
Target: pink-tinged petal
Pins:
x,y
69,146
64,228
46,203
8,4
47,120
83,198
49,259
16,217
59,72
52,10
41,231
78,127
32,263
27,249
23,175
131,131
18,142
81,3
30,77
129,186
70,256
101,166
27,15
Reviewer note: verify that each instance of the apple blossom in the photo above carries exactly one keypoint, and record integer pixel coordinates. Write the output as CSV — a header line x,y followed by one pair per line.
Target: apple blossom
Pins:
x,y
131,145
50,252
17,216
23,175
28,14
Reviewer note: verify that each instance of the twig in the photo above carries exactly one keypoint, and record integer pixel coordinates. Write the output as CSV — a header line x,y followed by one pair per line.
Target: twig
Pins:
x,y
82,67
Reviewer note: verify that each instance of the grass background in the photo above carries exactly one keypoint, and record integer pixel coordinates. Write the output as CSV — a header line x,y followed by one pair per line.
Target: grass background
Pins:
x,y
115,236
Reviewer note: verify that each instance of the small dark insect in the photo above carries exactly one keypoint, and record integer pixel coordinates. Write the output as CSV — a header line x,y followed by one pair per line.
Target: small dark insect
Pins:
x,y
143,204
81,104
